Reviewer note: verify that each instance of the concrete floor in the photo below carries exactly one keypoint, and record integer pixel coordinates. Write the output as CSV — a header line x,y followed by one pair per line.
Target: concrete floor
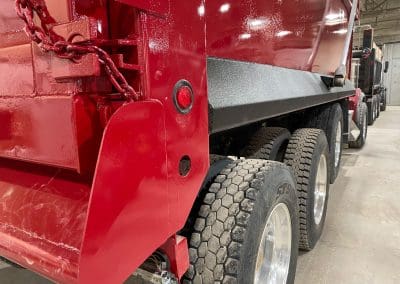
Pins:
x,y
361,240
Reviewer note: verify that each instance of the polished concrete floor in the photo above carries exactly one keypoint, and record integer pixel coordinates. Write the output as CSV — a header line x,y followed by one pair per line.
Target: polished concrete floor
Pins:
x,y
361,240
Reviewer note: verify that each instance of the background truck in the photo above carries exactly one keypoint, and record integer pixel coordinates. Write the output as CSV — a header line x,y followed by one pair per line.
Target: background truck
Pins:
x,y
368,69
177,140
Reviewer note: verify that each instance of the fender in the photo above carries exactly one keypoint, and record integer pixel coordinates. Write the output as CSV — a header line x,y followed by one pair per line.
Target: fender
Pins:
x,y
129,195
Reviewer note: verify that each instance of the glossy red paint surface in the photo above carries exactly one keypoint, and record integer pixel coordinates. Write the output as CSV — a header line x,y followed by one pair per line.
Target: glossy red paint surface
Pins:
x,y
46,114
129,197
178,52
112,192
158,7
171,54
176,248
30,131
136,199
42,218
294,34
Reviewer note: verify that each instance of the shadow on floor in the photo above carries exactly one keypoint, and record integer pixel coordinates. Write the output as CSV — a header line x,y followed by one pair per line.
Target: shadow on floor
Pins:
x,y
12,275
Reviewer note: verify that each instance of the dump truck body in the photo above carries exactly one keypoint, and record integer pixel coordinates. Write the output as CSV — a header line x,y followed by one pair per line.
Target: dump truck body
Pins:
x,y
88,178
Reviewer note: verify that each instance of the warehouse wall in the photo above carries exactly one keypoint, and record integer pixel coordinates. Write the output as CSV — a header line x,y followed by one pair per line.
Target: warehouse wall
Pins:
x,y
392,78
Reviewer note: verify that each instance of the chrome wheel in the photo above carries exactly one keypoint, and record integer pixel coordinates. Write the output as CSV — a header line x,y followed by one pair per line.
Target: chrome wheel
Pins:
x,y
320,189
273,257
338,143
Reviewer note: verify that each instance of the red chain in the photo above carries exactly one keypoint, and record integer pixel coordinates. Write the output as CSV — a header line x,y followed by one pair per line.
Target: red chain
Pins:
x,y
48,41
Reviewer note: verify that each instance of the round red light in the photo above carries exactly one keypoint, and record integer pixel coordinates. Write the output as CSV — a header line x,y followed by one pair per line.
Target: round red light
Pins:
x,y
184,97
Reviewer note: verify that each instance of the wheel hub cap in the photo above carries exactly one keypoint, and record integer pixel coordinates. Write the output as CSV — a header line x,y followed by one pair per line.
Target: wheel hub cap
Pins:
x,y
273,257
320,190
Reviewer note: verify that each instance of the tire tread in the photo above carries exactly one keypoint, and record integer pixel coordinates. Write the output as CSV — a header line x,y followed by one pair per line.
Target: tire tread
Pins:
x,y
221,224
262,143
299,157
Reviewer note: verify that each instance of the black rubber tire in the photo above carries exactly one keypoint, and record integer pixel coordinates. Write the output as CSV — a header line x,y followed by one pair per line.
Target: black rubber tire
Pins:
x,y
371,112
361,120
378,106
383,104
303,154
327,119
227,232
267,143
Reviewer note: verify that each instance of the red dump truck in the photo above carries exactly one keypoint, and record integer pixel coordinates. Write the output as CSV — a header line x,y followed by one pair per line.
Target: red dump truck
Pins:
x,y
171,140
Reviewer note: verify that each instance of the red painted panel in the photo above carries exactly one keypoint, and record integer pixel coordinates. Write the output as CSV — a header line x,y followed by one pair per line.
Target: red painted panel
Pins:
x,y
156,6
9,22
175,52
19,60
283,33
60,10
44,211
30,131
129,214
42,218
332,39
176,248
45,120
127,204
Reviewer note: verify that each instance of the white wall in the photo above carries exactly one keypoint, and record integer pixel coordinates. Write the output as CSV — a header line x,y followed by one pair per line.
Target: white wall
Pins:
x,y
392,78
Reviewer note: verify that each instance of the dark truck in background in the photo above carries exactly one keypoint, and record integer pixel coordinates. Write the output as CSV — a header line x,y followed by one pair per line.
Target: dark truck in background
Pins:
x,y
368,67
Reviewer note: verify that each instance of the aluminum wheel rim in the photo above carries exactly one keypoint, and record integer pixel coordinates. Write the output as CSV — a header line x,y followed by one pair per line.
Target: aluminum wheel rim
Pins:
x,y
273,257
320,190
365,126
374,111
338,144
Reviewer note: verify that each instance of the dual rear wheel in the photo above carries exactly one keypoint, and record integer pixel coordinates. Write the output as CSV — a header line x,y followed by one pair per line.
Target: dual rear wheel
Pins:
x,y
255,213
311,159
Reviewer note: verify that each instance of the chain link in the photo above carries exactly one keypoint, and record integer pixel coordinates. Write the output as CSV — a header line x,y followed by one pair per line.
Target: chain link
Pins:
x,y
49,41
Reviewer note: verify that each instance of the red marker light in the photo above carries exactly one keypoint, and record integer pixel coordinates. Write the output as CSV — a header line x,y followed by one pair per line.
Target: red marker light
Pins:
x,y
183,96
